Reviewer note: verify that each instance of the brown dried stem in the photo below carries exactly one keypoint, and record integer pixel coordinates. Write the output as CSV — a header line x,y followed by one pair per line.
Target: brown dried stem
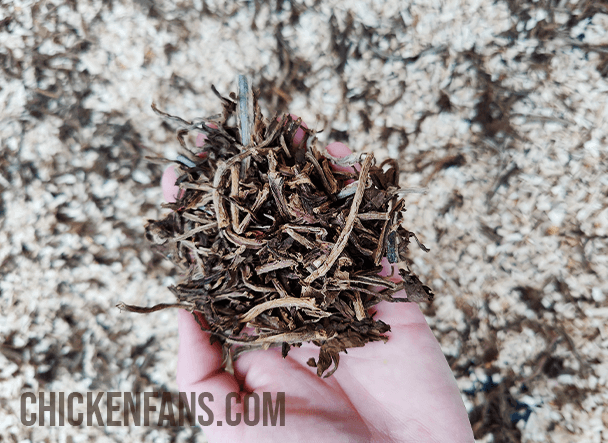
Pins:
x,y
270,236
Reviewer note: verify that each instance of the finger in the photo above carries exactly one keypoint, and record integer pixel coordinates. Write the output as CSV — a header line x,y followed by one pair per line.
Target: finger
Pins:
x,y
200,365
338,149
200,140
197,358
170,191
299,135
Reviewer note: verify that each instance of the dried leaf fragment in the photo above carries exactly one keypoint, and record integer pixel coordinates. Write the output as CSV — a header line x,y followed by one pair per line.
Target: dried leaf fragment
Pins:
x,y
274,238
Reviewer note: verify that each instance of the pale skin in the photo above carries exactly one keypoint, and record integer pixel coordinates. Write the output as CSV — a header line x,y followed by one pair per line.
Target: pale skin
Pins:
x,y
399,391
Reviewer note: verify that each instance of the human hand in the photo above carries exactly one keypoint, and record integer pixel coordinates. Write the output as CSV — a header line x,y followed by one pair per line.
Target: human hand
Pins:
x,y
399,391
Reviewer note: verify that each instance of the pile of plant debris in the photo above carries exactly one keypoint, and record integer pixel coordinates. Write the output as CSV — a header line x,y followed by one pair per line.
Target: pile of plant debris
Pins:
x,y
282,243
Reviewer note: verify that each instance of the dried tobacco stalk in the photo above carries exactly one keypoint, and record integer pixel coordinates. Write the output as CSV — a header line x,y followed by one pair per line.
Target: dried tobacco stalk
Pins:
x,y
280,247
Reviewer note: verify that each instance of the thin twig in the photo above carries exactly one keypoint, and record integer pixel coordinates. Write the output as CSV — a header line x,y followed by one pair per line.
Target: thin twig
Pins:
x,y
350,222
159,307
285,302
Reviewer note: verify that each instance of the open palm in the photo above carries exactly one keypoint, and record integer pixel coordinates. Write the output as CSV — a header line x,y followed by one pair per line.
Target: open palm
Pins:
x,y
399,391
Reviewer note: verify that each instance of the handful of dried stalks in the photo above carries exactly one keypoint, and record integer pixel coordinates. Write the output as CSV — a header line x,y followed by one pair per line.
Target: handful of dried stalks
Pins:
x,y
280,247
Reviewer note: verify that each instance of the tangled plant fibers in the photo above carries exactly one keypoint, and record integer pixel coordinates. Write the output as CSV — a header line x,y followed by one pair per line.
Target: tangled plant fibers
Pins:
x,y
281,243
